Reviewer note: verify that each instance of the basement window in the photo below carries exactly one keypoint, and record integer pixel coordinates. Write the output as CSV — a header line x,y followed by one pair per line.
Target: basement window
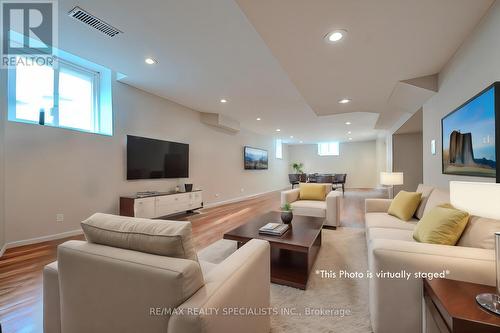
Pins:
x,y
279,149
328,149
72,93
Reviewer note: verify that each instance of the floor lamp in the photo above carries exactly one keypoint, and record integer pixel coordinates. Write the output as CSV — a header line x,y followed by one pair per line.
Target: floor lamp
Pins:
x,y
390,179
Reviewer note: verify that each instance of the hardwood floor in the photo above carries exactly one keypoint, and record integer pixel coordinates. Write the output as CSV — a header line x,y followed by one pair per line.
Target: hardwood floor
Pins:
x,y
21,267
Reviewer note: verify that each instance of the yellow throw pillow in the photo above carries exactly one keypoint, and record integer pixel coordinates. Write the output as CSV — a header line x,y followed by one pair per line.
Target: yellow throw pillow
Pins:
x,y
441,225
310,191
405,204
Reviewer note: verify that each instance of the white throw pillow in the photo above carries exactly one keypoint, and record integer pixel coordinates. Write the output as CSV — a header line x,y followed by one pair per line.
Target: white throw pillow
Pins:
x,y
480,233
426,192
161,237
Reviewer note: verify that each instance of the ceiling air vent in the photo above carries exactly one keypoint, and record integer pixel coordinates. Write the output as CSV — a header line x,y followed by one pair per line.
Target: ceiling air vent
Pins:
x,y
94,22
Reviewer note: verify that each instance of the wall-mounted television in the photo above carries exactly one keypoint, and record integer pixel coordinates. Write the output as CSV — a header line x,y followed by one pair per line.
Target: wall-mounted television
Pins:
x,y
471,134
255,159
153,159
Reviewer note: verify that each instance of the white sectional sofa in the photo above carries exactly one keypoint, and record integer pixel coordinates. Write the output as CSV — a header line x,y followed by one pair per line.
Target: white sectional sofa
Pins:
x,y
396,304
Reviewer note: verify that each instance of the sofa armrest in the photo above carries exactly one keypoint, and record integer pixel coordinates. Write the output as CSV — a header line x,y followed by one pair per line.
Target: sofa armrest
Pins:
x,y
241,281
402,298
333,208
289,196
51,301
377,205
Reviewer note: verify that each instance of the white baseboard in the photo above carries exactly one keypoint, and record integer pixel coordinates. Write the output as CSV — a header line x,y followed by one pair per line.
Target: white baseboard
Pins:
x,y
238,199
79,231
41,239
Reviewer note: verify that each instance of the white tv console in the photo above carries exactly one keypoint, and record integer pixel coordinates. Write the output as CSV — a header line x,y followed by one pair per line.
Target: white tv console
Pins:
x,y
160,204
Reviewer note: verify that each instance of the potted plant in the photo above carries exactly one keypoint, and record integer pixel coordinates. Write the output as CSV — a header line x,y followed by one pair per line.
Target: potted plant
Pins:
x,y
297,167
286,213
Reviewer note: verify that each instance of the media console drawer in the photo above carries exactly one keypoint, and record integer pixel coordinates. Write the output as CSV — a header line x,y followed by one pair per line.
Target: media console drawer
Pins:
x,y
161,204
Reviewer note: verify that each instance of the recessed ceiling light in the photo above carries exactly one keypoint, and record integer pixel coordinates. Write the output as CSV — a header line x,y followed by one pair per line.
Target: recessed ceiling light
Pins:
x,y
258,118
344,101
350,139
150,61
291,136
335,36
223,100
278,130
301,141
349,132
348,123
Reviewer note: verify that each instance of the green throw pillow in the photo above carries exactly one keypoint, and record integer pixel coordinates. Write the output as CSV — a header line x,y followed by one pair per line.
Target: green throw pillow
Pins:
x,y
441,225
404,205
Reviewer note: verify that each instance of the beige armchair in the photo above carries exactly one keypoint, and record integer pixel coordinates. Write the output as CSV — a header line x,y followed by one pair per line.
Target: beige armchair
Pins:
x,y
104,289
329,208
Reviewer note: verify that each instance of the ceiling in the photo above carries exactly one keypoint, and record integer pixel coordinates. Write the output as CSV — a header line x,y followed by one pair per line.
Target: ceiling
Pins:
x,y
412,125
269,60
387,41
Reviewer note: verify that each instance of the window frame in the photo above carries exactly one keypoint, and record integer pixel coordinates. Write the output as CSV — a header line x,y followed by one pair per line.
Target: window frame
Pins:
x,y
102,113
95,78
329,152
279,151
59,65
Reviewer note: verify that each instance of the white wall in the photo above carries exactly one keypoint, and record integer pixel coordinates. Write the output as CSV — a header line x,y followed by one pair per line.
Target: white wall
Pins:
x,y
357,159
407,158
475,66
382,158
50,170
2,158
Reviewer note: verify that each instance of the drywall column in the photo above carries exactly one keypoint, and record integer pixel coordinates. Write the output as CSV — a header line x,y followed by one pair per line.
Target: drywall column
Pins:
x,y
407,157
382,158
3,115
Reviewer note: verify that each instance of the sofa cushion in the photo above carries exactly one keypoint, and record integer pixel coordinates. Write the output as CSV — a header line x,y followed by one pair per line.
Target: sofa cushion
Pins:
x,y
426,192
312,191
206,266
436,198
217,252
165,238
404,205
394,234
384,220
441,225
480,233
309,208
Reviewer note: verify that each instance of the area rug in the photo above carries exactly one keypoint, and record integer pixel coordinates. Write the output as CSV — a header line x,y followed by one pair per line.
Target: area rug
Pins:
x,y
330,304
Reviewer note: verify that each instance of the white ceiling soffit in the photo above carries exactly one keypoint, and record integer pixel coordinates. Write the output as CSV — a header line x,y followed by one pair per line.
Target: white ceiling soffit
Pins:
x,y
412,125
411,94
206,51
387,41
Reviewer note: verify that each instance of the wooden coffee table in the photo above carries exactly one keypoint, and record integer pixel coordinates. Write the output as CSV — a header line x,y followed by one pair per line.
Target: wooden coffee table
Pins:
x,y
292,254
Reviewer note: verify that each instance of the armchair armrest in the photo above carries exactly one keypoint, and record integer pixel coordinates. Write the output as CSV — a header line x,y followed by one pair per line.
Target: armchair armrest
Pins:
x,y
333,208
289,196
377,205
242,282
51,302
402,298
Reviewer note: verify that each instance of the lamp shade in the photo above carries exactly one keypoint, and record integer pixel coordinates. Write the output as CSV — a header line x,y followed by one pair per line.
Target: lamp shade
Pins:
x,y
391,178
480,199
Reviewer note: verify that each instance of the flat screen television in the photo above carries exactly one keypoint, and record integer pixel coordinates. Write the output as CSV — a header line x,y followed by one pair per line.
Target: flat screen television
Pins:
x,y
152,159
255,159
470,136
